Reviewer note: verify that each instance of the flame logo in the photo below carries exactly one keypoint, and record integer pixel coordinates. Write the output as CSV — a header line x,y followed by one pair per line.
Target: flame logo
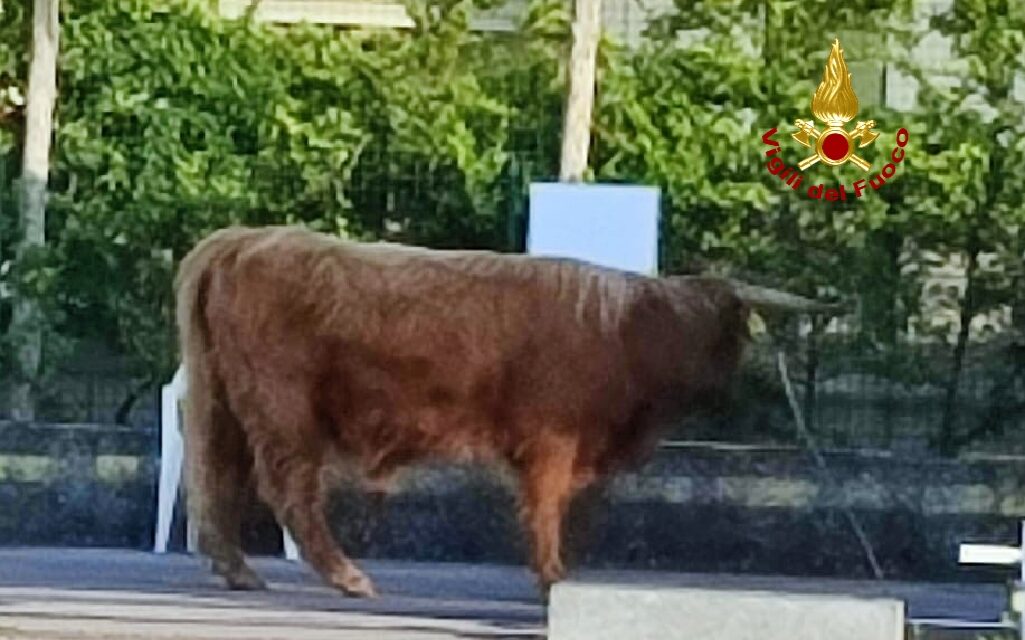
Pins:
x,y
834,101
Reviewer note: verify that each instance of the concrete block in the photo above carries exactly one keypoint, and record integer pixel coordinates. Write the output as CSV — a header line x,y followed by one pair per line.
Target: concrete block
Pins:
x,y
580,611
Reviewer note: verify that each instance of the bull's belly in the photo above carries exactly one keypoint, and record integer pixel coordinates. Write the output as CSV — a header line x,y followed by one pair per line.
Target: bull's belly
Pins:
x,y
380,443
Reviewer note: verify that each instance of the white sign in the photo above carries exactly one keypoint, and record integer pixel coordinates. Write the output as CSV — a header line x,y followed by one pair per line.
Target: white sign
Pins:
x,y
610,225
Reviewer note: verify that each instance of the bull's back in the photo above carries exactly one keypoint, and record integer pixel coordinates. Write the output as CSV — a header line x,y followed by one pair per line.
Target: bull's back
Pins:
x,y
290,286
400,344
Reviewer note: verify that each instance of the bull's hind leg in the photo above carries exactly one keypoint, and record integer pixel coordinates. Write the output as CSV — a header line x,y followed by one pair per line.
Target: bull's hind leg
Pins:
x,y
217,470
290,482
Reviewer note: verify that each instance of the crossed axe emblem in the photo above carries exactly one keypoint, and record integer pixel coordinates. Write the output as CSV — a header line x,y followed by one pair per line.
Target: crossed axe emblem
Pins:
x,y
834,146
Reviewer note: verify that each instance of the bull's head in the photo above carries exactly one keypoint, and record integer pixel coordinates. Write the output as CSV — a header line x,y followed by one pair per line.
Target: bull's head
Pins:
x,y
725,323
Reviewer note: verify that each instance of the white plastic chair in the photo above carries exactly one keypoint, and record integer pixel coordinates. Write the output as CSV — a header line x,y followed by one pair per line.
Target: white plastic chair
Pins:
x,y
172,451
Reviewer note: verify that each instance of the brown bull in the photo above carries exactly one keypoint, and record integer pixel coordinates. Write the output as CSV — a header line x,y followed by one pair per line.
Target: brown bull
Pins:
x,y
305,353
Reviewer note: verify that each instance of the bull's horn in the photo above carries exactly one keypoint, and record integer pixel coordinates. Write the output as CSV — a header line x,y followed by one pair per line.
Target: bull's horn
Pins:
x,y
765,298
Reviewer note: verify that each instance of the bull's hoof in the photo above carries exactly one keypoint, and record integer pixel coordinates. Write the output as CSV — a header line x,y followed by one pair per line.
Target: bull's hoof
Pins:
x,y
552,573
355,584
244,579
544,591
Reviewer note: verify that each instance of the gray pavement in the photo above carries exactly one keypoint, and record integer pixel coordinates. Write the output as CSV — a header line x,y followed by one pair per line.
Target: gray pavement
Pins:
x,y
86,593
89,594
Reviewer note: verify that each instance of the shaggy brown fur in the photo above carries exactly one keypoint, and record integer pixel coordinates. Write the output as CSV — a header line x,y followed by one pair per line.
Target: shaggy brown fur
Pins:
x,y
305,353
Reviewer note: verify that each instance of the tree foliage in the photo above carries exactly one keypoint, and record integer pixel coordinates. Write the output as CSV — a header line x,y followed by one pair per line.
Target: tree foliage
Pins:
x,y
172,122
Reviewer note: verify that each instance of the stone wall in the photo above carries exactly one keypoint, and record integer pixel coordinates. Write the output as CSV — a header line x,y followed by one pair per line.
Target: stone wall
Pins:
x,y
695,507
77,484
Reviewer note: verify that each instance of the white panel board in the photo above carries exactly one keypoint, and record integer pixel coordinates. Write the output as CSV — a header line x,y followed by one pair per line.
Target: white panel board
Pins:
x,y
611,225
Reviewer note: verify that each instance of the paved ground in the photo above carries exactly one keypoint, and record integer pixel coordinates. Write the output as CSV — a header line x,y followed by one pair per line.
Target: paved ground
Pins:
x,y
49,593
76,594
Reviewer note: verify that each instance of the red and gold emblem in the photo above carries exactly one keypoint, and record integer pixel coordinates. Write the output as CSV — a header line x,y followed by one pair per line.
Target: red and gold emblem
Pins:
x,y
835,104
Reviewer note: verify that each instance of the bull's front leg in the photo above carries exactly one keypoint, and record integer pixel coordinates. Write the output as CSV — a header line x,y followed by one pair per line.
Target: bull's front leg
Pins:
x,y
548,482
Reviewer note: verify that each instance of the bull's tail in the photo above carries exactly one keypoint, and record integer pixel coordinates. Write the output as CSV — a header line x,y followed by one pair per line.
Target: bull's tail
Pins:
x,y
217,464
191,288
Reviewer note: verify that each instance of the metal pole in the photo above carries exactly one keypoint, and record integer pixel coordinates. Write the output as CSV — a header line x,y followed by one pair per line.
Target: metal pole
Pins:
x,y
1019,594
